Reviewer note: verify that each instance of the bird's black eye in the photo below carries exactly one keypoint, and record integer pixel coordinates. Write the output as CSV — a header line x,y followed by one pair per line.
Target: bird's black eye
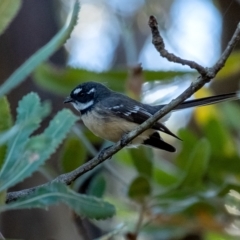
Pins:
x,y
80,94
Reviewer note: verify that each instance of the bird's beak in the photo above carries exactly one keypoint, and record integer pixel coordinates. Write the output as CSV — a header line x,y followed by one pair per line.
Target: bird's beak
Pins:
x,y
68,100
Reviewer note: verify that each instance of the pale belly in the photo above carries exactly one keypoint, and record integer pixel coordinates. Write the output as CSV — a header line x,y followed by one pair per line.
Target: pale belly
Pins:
x,y
113,129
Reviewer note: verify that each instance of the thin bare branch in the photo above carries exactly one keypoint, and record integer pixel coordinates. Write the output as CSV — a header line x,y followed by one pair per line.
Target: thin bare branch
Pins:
x,y
158,42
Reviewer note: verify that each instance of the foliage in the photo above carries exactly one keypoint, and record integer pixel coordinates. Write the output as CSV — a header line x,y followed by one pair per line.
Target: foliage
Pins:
x,y
21,152
195,191
41,55
83,205
8,10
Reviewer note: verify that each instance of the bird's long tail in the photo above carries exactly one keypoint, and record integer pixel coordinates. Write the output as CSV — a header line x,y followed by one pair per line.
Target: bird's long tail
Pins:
x,y
208,100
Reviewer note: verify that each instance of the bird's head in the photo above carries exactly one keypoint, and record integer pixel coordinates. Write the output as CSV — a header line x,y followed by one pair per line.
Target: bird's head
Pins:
x,y
84,96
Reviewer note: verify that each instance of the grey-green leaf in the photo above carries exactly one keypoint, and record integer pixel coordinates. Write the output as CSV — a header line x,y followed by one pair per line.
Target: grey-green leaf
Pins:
x,y
30,112
41,55
38,149
97,186
83,205
8,10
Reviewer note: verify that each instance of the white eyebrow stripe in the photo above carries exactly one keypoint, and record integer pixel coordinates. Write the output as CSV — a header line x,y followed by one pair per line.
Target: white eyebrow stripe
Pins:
x,y
90,91
77,90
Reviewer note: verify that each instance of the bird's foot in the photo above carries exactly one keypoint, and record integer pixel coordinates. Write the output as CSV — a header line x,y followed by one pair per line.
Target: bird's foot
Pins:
x,y
103,151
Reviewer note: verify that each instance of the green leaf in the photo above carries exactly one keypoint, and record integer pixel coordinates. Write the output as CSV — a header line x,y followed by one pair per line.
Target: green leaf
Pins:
x,y
73,154
97,186
231,115
188,143
37,149
30,112
83,205
139,189
199,160
41,55
225,189
5,123
166,175
8,10
141,161
219,138
231,68
62,81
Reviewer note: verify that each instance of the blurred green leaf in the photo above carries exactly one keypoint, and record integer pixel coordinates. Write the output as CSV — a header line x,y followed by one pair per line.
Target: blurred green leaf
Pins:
x,y
188,143
164,176
231,67
198,163
139,188
219,236
5,123
219,138
83,205
141,161
124,157
97,186
73,154
36,150
225,189
231,115
62,81
8,10
41,55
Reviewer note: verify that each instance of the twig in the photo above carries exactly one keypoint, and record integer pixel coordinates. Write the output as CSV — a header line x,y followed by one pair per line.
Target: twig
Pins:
x,y
158,42
206,74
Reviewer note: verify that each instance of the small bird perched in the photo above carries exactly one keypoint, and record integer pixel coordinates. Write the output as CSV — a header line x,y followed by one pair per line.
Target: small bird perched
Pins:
x,y
110,115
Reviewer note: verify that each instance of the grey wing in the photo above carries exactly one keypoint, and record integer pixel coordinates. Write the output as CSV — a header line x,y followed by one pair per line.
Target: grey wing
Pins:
x,y
133,111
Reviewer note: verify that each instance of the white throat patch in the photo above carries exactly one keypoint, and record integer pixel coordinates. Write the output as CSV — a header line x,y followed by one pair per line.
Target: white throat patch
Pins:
x,y
82,106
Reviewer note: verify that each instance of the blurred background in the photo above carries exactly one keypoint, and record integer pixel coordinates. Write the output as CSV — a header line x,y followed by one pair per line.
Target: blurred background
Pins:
x,y
112,44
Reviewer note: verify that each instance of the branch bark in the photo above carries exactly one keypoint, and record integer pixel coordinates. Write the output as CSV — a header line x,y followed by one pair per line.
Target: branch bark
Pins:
x,y
206,75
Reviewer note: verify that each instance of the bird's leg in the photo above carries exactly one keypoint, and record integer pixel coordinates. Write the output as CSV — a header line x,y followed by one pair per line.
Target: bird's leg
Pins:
x,y
101,154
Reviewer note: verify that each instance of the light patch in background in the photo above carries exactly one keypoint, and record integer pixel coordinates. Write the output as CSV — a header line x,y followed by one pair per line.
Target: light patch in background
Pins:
x,y
125,7
194,34
93,41
162,93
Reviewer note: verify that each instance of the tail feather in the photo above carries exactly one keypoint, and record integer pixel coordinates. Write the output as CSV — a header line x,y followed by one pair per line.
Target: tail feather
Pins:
x,y
208,100
155,141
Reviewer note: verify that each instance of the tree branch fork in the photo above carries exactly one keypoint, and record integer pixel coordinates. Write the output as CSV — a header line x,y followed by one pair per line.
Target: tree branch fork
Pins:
x,y
205,76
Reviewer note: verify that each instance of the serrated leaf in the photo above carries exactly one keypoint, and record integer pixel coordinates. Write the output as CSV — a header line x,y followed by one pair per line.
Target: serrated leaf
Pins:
x,y
139,189
8,10
198,163
83,205
97,186
62,81
38,149
30,112
5,123
73,154
41,55
5,136
141,161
